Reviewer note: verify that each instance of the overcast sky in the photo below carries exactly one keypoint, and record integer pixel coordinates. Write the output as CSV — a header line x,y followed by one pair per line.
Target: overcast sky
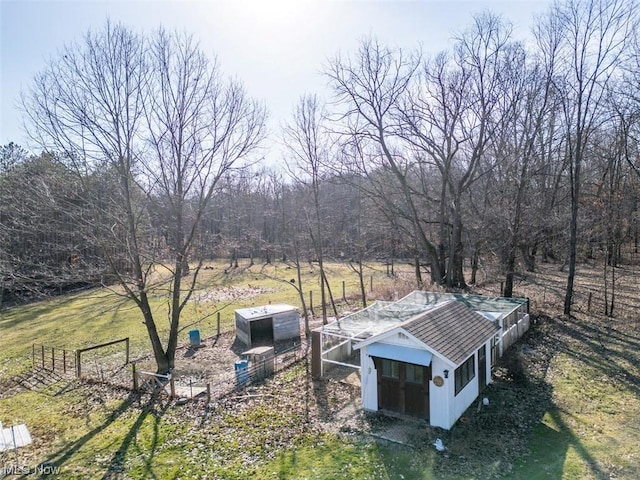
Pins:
x,y
276,47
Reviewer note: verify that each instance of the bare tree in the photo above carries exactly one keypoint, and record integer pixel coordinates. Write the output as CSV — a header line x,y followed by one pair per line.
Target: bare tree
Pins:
x,y
158,113
451,118
583,43
369,89
310,147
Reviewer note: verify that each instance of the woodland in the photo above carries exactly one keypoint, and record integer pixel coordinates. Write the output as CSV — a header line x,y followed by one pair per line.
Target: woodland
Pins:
x,y
495,151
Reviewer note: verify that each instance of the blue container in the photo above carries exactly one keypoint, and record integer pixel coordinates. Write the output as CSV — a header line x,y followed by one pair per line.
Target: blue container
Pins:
x,y
242,372
194,337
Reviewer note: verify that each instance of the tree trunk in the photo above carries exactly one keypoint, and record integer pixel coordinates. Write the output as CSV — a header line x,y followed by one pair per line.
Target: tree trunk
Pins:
x,y
305,312
573,226
474,266
418,272
363,293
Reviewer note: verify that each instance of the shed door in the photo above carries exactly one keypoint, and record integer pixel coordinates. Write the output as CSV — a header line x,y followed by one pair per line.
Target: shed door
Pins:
x,y
262,332
388,385
403,387
416,390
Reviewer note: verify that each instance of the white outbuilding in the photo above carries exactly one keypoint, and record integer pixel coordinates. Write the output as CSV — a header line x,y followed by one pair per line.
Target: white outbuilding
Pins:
x,y
427,355
267,324
432,366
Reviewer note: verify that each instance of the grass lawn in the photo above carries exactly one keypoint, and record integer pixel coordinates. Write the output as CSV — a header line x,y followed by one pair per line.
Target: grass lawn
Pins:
x,y
101,315
567,400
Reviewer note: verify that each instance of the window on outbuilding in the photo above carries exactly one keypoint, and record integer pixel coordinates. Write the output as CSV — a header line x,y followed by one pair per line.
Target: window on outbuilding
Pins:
x,y
390,368
465,373
413,373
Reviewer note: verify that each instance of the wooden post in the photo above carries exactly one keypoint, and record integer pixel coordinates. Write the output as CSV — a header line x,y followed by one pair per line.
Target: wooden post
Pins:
x,y
33,355
208,393
589,303
311,301
53,359
78,366
135,377
126,361
42,356
344,295
371,283
173,387
64,361
218,324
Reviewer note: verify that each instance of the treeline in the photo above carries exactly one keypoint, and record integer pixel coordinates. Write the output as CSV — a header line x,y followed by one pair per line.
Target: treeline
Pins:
x,y
494,151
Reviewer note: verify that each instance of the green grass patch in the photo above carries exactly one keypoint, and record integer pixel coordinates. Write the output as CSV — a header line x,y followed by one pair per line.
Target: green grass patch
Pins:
x,y
592,430
88,318
333,457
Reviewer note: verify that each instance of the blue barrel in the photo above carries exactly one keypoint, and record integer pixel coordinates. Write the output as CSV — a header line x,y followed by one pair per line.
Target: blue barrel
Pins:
x,y
242,372
194,337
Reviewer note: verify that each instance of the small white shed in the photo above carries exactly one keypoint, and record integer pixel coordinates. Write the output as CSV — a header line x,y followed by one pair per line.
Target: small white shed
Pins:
x,y
432,366
267,324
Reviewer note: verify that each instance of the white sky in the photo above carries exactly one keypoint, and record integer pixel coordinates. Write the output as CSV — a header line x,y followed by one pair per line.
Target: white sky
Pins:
x,y
276,47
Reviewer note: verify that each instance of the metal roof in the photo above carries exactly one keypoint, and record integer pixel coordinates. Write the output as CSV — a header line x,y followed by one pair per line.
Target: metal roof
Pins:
x,y
252,313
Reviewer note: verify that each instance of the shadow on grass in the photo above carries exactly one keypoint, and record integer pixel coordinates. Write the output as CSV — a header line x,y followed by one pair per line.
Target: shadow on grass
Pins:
x,y
116,466
60,457
153,406
549,449
597,347
603,348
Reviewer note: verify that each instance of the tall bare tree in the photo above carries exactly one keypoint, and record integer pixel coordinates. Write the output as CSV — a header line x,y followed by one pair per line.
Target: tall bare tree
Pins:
x,y
583,43
310,147
451,118
158,113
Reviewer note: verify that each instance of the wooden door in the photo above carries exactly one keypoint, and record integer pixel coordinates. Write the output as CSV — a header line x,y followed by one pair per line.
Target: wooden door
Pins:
x,y
416,390
403,387
389,385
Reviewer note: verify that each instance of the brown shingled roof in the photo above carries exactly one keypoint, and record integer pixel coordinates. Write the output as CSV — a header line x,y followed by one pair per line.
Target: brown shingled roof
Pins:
x,y
452,330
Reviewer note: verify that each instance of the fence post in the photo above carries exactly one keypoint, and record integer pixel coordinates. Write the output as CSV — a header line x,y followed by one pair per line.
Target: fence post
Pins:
x,y
127,351
33,355
311,301
78,366
64,361
344,294
53,359
218,324
135,377
42,356
173,387
371,283
589,303
208,393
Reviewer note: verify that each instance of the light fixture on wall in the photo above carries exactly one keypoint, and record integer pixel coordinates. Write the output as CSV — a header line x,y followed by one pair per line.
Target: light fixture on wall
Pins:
x,y
446,374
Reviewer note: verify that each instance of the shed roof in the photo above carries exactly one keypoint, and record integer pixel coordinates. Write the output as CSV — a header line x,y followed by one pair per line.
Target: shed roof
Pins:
x,y
452,330
265,310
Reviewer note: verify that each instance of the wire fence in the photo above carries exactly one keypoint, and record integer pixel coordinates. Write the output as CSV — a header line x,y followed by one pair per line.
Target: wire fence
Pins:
x,y
246,373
